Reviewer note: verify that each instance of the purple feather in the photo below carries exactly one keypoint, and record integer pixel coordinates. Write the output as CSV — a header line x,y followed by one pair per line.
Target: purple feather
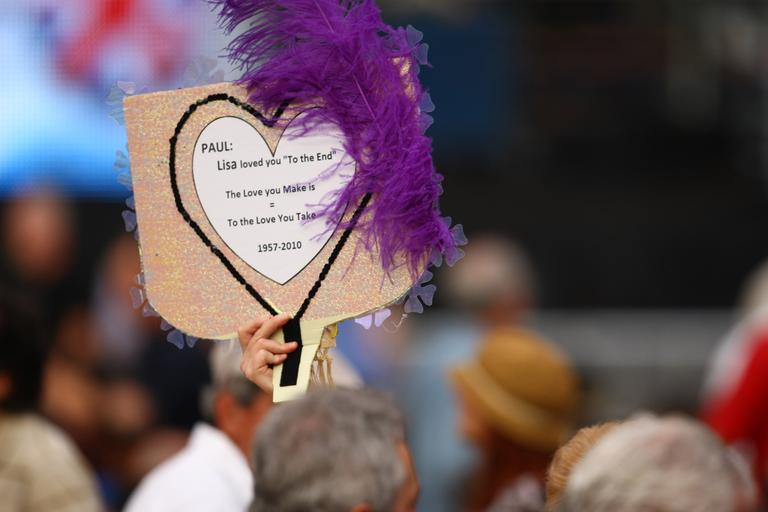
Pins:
x,y
364,73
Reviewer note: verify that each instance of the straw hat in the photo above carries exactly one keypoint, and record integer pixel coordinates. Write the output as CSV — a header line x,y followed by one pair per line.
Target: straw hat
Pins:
x,y
522,386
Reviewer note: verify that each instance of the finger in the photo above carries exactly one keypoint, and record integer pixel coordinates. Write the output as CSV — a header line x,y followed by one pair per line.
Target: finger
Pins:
x,y
270,358
262,378
246,331
271,326
277,348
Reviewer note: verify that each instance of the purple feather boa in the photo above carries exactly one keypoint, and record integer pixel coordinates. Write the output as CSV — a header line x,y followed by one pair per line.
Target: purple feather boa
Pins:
x,y
341,55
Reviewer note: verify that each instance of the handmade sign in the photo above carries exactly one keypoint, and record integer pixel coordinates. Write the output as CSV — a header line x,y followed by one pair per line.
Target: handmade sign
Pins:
x,y
308,188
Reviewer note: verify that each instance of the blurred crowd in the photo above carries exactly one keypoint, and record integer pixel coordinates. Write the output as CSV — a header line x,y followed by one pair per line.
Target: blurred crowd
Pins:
x,y
124,395
622,142
100,412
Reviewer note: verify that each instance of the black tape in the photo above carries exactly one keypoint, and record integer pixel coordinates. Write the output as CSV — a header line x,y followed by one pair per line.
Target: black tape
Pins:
x,y
292,332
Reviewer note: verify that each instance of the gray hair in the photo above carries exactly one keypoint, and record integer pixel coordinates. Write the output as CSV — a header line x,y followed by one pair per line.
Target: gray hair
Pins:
x,y
668,464
226,376
328,452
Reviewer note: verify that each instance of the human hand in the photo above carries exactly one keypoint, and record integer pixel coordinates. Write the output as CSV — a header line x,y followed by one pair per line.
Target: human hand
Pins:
x,y
260,353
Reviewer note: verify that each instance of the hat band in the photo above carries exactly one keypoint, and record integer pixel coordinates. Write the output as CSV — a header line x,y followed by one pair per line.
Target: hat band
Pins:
x,y
513,414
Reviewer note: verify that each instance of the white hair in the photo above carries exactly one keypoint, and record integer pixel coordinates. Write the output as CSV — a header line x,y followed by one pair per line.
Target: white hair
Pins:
x,y
226,376
657,464
328,452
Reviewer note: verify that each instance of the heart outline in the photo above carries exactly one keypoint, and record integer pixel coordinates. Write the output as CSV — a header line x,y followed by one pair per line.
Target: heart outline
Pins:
x,y
273,152
215,250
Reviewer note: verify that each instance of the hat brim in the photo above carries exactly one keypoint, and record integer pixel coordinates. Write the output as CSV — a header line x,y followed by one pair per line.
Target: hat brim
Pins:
x,y
526,423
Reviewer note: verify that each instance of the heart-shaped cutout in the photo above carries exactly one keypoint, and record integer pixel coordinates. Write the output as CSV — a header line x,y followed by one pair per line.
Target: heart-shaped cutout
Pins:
x,y
262,204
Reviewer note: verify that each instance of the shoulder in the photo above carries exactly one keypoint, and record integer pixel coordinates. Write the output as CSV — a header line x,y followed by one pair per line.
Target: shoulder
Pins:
x,y
186,481
40,445
175,478
45,462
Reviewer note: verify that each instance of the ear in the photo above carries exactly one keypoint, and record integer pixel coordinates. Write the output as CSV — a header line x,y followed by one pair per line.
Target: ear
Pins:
x,y
362,507
264,403
224,405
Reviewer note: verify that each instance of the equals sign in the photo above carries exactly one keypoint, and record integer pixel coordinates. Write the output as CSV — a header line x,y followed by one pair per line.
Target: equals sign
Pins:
x,y
271,205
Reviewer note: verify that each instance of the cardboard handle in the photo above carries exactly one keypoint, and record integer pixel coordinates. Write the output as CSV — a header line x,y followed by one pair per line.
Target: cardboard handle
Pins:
x,y
311,333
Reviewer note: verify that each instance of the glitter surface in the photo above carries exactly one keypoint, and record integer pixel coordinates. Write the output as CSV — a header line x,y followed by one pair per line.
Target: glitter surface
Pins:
x,y
185,282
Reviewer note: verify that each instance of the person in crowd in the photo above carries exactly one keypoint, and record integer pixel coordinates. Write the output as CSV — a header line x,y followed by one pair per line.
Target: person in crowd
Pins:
x,y
667,464
212,471
334,451
736,386
567,456
494,282
518,398
123,329
128,397
40,468
133,345
493,286
38,232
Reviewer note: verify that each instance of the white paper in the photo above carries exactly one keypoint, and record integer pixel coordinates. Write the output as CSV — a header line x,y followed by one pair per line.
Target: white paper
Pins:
x,y
264,206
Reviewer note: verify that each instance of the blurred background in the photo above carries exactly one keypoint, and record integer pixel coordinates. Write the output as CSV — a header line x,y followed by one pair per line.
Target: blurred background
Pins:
x,y
610,157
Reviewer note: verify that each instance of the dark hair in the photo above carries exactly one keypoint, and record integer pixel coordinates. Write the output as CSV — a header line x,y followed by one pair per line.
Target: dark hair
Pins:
x,y
22,353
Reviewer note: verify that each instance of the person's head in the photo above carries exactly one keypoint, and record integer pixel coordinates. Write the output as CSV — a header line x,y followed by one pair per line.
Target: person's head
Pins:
x,y
334,451
235,405
670,464
494,281
22,355
38,235
518,389
567,456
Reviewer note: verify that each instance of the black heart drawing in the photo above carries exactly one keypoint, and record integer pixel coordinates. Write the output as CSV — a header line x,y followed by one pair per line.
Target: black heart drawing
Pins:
x,y
292,329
